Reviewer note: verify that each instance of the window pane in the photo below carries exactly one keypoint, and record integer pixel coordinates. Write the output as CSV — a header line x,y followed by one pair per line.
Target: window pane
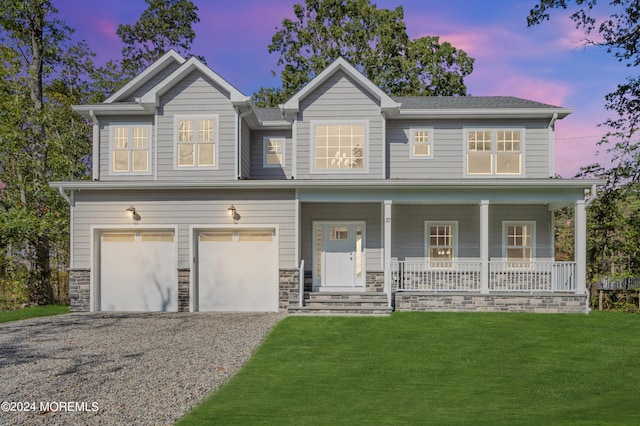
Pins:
x,y
118,238
164,237
206,154
478,163
508,163
223,236
120,161
338,233
274,152
206,130
421,149
139,138
255,236
186,154
140,161
339,146
121,138
185,131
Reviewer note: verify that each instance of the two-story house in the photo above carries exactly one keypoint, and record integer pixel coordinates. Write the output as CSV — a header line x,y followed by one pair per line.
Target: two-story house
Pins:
x,y
201,201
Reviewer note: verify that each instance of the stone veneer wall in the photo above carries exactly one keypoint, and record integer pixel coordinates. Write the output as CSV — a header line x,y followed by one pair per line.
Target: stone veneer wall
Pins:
x,y
183,289
289,284
375,282
79,290
456,302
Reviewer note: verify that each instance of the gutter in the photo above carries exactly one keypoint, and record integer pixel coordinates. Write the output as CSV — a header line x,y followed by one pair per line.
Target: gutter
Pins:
x,y
592,198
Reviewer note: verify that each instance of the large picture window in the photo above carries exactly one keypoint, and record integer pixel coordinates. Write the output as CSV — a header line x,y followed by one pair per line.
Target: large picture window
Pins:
x,y
196,142
339,146
130,149
494,152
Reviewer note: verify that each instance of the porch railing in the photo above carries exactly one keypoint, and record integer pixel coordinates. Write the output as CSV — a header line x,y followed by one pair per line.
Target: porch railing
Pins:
x,y
465,276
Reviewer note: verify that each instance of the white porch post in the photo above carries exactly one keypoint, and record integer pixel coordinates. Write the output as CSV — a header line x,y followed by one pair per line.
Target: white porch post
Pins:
x,y
580,247
484,246
387,248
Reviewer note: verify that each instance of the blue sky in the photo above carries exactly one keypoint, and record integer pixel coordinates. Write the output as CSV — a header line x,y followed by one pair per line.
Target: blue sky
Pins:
x,y
547,63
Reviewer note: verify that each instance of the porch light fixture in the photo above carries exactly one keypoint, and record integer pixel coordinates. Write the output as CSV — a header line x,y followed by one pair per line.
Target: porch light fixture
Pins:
x,y
233,213
133,214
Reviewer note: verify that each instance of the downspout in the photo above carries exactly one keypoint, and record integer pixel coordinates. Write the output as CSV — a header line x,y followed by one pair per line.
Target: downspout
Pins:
x,y
592,198
240,117
552,145
95,160
64,195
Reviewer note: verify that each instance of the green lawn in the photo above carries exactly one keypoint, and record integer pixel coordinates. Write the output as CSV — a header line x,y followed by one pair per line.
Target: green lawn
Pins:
x,y
36,311
423,368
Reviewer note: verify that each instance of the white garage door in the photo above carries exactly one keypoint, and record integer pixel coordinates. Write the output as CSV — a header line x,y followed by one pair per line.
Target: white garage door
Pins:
x,y
238,270
138,271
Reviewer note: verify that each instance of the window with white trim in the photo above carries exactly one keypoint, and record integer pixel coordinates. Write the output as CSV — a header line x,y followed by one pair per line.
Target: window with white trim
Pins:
x,y
130,148
494,151
441,241
196,141
273,151
421,140
339,146
519,243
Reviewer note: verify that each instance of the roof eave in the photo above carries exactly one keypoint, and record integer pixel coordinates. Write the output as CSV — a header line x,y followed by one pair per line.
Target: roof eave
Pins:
x,y
484,113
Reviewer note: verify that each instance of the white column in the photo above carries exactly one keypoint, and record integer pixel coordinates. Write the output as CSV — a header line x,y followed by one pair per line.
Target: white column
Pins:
x,y
580,247
387,247
484,246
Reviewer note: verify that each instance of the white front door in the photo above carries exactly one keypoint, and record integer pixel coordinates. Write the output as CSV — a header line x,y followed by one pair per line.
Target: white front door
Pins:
x,y
340,264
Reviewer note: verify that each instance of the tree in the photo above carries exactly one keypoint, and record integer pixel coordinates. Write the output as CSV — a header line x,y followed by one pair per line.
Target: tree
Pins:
x,y
373,40
38,62
164,25
614,238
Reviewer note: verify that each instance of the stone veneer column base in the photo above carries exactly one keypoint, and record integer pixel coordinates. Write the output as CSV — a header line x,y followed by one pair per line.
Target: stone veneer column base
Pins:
x,y
375,282
183,289
289,288
512,302
79,290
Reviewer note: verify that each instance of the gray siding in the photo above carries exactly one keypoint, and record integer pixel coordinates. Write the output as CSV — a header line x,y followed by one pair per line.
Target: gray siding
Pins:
x,y
245,163
104,151
257,153
196,95
164,73
408,228
371,213
449,150
340,98
182,209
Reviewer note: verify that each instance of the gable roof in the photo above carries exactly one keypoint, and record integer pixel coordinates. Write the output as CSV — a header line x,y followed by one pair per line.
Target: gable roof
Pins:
x,y
146,75
340,64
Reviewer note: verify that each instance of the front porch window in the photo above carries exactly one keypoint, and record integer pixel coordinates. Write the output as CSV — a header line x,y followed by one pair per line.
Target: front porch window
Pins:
x,y
441,244
519,244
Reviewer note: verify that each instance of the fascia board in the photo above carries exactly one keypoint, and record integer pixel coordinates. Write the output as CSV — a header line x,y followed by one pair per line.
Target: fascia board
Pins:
x,y
145,75
111,109
484,113
235,96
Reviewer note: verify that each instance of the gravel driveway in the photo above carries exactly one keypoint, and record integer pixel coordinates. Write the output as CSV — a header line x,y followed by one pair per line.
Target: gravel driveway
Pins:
x,y
121,368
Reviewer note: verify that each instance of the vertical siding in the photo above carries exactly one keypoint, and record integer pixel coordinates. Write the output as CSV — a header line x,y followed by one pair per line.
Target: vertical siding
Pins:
x,y
104,150
370,213
196,95
182,209
257,153
245,162
340,98
164,73
449,149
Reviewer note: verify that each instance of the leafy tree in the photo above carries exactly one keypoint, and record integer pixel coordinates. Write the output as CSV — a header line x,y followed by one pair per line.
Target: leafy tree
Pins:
x,y
373,40
614,238
39,77
164,25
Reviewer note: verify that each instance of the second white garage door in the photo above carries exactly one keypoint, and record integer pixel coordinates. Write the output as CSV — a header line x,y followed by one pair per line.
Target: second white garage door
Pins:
x,y
238,270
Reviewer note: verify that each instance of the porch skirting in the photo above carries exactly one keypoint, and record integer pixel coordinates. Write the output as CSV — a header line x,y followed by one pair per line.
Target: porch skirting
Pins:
x,y
495,302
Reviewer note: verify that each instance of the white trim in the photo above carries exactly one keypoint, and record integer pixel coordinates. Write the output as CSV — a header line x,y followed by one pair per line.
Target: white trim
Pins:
x,y
130,126
412,132
384,145
294,149
283,144
312,145
196,118
494,151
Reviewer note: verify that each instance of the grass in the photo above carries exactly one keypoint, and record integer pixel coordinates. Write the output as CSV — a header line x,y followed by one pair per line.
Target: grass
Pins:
x,y
422,368
35,311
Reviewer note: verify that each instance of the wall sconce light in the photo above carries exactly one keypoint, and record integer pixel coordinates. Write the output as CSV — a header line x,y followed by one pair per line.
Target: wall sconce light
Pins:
x,y
233,213
133,214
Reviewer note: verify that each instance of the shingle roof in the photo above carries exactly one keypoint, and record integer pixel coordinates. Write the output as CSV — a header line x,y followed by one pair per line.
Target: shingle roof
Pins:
x,y
269,114
467,102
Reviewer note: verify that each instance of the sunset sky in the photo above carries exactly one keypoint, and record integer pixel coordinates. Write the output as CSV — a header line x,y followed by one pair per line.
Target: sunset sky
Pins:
x,y
546,63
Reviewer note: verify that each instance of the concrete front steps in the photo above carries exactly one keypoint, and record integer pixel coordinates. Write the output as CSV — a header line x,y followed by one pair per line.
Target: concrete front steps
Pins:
x,y
341,303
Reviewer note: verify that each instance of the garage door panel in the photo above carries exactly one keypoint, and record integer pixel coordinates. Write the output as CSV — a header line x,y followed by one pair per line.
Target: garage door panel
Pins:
x,y
238,271
138,274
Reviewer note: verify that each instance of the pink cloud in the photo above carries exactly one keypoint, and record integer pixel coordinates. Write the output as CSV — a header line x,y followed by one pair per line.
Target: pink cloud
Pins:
x,y
107,28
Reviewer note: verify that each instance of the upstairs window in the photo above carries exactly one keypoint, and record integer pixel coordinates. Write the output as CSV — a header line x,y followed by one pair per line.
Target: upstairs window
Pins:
x,y
421,140
130,149
273,152
494,152
196,141
339,146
